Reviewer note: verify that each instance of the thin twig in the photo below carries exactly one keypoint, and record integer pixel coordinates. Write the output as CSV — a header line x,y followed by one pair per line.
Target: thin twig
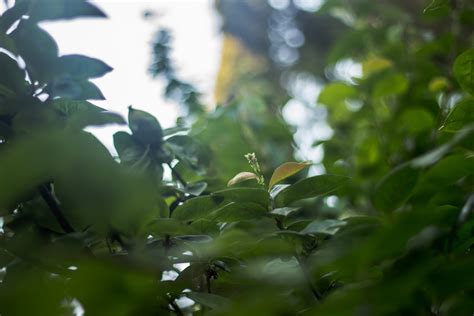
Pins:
x,y
55,208
177,176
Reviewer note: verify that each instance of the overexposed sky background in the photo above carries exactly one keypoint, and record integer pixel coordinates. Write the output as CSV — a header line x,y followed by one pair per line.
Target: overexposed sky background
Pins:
x,y
124,42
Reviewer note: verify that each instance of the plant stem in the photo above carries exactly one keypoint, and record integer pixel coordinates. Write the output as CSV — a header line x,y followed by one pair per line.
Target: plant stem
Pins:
x,y
176,308
177,175
55,208
309,279
304,268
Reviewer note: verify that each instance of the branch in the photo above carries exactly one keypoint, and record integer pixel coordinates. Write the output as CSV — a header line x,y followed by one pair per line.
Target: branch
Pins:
x,y
55,208
177,176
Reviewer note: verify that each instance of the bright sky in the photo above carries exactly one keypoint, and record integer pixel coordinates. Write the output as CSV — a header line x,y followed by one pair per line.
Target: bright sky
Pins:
x,y
123,42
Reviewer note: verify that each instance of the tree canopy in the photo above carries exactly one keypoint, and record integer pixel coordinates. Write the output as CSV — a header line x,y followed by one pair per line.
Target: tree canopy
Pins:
x,y
217,215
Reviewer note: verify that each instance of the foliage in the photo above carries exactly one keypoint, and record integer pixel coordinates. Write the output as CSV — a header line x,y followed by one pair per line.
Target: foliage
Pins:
x,y
157,231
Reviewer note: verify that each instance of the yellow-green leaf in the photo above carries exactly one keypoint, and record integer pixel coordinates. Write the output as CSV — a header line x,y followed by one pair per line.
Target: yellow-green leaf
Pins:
x,y
242,176
286,170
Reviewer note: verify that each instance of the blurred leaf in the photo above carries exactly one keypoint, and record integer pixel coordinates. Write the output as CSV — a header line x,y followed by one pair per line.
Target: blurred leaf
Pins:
x,y
242,176
209,300
310,187
336,93
461,115
38,49
436,5
326,227
416,120
234,212
12,76
284,211
391,83
374,65
40,10
438,84
286,170
196,208
145,127
395,188
82,66
128,151
73,89
463,69
196,188
81,114
195,238
254,195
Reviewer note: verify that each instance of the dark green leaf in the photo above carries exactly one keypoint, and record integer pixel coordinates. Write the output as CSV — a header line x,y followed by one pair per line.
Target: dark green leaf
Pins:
x,y
436,5
75,89
209,300
326,227
284,211
395,188
80,114
37,48
144,126
83,67
461,115
254,195
128,151
235,212
40,10
196,208
195,238
309,188
463,69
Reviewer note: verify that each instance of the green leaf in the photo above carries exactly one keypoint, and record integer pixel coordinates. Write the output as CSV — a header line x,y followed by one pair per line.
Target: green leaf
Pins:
x,y
309,188
210,300
145,127
195,238
416,120
461,115
436,5
336,93
432,156
463,69
37,48
40,10
374,65
284,211
196,188
75,89
196,208
12,76
80,114
277,189
326,227
390,84
7,43
169,226
395,188
235,212
242,176
286,170
83,67
128,151
254,195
